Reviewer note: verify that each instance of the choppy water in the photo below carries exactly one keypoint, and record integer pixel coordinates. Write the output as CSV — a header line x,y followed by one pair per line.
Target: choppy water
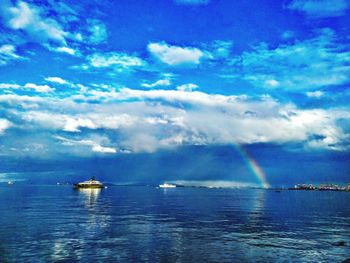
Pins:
x,y
146,224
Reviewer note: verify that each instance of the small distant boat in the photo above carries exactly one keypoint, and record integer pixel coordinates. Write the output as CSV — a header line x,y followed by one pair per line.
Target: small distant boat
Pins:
x,y
9,182
91,184
167,185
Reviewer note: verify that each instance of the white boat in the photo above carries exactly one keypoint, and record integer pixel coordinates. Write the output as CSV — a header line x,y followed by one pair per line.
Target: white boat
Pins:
x,y
167,185
92,183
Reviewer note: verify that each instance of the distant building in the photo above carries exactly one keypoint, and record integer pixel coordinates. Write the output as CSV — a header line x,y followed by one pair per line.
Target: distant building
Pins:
x,y
304,187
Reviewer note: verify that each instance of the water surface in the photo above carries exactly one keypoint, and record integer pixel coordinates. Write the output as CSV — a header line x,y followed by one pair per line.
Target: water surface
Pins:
x,y
146,224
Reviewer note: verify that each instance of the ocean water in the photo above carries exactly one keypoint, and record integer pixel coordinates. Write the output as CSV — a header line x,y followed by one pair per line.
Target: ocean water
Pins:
x,y
147,224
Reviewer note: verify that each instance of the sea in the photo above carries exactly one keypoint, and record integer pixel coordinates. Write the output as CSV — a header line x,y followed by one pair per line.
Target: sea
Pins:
x,y
55,223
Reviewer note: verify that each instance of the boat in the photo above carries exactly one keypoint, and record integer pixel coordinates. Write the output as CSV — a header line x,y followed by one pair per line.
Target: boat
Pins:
x,y
90,184
166,185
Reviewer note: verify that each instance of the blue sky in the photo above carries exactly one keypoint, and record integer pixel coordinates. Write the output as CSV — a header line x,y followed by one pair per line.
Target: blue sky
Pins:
x,y
115,80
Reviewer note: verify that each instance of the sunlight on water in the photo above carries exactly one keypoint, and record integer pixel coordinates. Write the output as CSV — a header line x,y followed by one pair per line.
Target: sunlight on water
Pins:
x,y
90,196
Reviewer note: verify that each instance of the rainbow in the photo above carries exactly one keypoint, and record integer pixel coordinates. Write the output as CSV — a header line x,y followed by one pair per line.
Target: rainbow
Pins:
x,y
253,166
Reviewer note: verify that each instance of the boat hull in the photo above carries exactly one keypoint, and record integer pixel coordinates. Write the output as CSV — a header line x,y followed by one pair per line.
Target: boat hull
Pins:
x,y
77,186
167,185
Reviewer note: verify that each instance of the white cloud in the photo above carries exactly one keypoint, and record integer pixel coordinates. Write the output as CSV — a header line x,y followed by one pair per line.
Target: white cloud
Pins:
x,y
98,32
320,8
39,88
187,87
21,100
9,50
171,96
315,94
147,120
100,149
175,55
9,86
220,49
66,50
4,125
8,53
95,146
298,66
31,19
161,82
271,83
114,59
74,124
57,80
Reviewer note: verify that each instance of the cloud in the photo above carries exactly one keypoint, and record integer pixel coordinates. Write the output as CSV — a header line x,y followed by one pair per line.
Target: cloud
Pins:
x,y
98,32
30,18
161,82
148,120
32,86
11,100
113,60
175,55
297,66
9,86
8,53
100,149
66,50
194,97
39,88
57,80
220,49
75,123
4,125
192,2
56,26
315,94
320,8
187,87
95,146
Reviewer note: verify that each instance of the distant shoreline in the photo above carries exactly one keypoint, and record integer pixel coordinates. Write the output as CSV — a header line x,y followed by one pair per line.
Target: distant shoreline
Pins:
x,y
299,187
322,187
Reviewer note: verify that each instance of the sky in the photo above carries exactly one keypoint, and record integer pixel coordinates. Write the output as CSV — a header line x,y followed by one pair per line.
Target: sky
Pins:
x,y
209,92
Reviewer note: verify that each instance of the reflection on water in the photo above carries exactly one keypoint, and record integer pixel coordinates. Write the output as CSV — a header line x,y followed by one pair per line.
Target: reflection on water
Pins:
x,y
98,215
89,195
144,224
257,212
